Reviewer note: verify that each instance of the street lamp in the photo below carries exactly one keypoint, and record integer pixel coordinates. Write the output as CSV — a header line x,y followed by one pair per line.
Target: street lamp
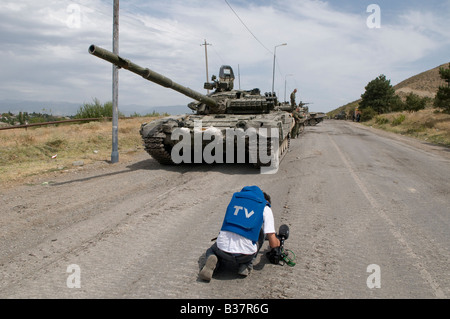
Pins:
x,y
285,85
274,57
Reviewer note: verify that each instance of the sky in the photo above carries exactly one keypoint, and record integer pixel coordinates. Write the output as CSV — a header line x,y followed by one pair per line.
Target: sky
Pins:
x,y
334,48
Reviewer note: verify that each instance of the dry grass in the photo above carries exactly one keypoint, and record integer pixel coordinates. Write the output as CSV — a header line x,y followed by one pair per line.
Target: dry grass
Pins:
x,y
24,153
427,125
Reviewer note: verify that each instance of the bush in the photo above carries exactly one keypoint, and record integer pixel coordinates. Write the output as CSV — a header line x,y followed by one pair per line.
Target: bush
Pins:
x,y
380,120
367,114
397,104
95,110
442,99
398,120
414,103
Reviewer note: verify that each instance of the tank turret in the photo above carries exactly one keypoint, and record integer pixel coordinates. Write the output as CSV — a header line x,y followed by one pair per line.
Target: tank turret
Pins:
x,y
223,100
225,82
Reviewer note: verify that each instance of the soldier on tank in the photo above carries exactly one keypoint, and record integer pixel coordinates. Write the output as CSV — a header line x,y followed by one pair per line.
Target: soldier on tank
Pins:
x,y
293,104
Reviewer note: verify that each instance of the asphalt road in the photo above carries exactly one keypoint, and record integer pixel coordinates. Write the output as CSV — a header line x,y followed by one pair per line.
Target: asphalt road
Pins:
x,y
369,215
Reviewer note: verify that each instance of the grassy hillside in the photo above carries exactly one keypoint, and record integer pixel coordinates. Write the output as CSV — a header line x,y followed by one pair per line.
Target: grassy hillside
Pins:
x,y
428,125
347,108
425,84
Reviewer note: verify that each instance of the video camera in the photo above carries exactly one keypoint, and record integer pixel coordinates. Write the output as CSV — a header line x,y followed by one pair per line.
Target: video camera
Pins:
x,y
280,255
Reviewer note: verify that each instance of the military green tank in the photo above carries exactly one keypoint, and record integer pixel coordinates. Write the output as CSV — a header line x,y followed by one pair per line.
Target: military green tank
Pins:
x,y
226,126
311,118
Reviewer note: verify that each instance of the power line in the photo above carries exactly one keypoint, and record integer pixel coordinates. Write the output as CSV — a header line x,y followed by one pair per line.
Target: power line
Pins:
x,y
135,21
183,32
217,53
248,28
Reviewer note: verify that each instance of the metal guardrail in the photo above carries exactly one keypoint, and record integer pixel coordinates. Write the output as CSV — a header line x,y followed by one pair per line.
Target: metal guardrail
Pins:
x,y
25,126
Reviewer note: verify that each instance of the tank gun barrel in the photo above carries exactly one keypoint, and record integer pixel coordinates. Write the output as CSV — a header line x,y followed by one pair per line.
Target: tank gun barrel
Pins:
x,y
150,75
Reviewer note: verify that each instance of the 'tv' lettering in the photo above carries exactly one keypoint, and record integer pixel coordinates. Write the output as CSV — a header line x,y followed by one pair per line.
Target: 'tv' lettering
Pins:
x,y
247,214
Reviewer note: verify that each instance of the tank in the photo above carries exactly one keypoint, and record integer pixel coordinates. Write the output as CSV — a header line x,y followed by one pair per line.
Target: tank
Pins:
x,y
311,118
341,116
225,126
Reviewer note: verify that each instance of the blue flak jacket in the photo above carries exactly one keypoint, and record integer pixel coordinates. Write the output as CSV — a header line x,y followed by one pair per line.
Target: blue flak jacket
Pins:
x,y
244,215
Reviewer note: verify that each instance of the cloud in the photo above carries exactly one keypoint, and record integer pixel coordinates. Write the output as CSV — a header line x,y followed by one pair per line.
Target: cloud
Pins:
x,y
331,52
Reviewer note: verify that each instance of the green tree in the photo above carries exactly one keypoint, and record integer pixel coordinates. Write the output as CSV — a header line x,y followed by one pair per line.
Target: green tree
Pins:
x,y
415,103
442,99
379,96
445,74
95,110
21,119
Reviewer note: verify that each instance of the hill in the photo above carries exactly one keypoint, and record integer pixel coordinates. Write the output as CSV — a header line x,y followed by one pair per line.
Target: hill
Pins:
x,y
425,84
428,125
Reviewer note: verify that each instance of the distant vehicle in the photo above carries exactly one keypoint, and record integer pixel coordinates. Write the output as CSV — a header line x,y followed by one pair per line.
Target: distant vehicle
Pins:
x,y
341,116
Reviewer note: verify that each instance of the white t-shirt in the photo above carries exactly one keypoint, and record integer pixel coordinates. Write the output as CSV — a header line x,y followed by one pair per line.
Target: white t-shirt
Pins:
x,y
236,244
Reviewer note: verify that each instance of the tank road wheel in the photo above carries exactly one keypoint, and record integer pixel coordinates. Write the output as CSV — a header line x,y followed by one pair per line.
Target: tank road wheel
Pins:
x,y
155,147
253,153
284,148
282,151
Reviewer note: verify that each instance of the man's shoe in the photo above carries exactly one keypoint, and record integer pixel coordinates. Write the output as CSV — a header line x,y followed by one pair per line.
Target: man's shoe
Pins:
x,y
244,270
207,270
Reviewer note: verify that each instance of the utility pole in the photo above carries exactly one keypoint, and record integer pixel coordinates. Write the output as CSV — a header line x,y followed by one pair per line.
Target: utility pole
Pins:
x,y
115,87
239,76
274,58
285,82
206,58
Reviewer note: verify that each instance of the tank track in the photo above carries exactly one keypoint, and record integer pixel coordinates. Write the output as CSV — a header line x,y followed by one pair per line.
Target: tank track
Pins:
x,y
155,147
283,149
